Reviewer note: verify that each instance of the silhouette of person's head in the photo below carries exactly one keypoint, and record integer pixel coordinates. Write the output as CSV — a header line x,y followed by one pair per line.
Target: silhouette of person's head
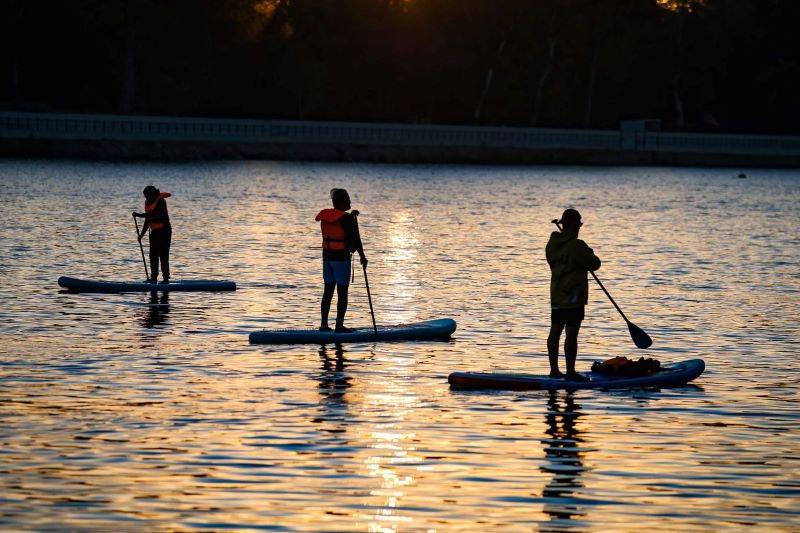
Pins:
x,y
340,198
571,220
150,193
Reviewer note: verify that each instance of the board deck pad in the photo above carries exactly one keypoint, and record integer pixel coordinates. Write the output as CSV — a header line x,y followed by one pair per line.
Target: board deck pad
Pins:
x,y
440,329
84,285
673,375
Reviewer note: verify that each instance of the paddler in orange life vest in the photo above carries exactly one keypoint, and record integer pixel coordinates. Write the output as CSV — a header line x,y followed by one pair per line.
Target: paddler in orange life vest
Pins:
x,y
340,238
156,219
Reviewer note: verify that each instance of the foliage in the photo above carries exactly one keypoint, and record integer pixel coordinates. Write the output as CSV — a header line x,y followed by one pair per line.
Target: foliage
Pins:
x,y
722,65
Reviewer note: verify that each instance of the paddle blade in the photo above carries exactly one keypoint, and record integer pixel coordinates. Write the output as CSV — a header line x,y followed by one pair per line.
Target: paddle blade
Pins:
x,y
640,338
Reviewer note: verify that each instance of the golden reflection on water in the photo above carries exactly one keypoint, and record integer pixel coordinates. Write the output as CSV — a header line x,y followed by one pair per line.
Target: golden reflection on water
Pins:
x,y
401,256
390,444
154,412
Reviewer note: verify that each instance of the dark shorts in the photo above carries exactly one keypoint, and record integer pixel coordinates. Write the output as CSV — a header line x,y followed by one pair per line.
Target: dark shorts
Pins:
x,y
567,317
336,272
160,241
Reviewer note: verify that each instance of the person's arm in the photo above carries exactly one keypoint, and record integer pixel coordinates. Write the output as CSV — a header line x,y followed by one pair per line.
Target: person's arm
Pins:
x,y
349,224
587,259
145,227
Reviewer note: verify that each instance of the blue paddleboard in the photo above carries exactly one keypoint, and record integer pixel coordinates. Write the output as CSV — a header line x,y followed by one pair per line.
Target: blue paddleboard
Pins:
x,y
440,329
673,375
82,285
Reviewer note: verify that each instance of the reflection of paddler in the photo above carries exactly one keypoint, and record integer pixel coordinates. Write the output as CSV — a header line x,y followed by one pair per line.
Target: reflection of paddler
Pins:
x,y
156,219
340,238
563,453
333,380
157,311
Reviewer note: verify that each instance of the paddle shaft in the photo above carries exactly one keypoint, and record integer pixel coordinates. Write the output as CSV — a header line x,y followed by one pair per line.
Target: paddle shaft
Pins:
x,y
369,297
141,249
600,283
609,296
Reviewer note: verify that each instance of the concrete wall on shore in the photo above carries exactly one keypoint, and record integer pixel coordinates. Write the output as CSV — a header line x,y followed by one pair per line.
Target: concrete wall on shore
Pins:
x,y
158,138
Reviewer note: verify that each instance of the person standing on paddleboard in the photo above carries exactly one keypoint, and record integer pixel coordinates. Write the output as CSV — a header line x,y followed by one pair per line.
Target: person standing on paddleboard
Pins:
x,y
570,260
156,219
340,238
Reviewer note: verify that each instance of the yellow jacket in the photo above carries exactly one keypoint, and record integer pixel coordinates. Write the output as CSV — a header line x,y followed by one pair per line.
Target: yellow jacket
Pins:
x,y
570,259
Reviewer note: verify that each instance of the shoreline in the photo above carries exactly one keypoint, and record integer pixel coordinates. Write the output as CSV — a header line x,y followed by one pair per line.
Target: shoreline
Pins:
x,y
115,150
154,138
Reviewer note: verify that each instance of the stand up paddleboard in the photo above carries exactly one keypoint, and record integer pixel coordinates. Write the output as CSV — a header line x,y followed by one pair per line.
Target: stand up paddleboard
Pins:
x,y
82,285
420,331
673,375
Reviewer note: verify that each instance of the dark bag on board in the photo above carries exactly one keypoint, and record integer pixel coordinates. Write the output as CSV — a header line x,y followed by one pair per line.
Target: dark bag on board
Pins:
x,y
622,366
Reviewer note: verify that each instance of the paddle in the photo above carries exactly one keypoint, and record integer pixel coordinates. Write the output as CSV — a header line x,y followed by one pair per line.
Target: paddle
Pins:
x,y
640,338
369,297
146,273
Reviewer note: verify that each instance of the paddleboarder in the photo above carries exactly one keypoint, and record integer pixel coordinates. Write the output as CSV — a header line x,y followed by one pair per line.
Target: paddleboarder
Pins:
x,y
570,260
156,219
340,238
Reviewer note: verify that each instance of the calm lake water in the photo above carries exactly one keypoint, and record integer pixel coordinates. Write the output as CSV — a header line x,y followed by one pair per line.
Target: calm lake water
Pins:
x,y
132,412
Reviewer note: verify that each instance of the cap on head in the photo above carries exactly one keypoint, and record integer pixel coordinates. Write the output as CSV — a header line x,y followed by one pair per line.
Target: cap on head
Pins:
x,y
570,217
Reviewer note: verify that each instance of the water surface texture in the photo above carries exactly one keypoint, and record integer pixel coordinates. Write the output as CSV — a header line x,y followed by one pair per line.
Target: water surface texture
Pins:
x,y
140,412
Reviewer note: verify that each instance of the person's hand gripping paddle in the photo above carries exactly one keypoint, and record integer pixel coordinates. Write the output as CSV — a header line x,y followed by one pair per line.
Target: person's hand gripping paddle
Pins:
x,y
640,338
146,273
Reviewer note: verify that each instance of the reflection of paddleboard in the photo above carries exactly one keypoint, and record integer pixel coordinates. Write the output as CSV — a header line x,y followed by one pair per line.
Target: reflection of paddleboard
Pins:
x,y
81,285
669,376
420,331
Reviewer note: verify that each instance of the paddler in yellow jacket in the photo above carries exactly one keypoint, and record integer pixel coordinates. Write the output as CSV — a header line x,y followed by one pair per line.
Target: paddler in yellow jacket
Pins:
x,y
156,219
340,238
570,260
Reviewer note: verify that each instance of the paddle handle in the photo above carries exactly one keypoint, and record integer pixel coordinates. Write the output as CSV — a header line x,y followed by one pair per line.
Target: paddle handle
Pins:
x,y
369,297
141,249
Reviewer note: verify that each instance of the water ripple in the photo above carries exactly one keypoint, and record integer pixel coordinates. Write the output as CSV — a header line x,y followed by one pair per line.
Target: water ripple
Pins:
x,y
140,412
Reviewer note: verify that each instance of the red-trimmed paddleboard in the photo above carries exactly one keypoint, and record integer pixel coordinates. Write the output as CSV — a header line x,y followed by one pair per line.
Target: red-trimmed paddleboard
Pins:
x,y
673,375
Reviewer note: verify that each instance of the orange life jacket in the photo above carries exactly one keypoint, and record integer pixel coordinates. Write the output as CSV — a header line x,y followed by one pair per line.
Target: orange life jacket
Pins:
x,y
156,222
332,232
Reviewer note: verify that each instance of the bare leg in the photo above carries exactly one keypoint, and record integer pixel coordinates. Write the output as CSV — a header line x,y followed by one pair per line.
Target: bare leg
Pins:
x,y
164,257
163,253
552,348
153,261
571,348
341,305
327,297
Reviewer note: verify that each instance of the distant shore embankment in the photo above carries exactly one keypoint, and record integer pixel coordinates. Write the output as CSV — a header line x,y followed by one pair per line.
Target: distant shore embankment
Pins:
x,y
118,137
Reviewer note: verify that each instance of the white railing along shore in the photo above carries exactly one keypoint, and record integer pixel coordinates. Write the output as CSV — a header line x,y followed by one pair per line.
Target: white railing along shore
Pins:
x,y
18,125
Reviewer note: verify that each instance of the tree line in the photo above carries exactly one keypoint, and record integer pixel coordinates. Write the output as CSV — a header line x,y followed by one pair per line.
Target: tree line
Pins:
x,y
697,65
